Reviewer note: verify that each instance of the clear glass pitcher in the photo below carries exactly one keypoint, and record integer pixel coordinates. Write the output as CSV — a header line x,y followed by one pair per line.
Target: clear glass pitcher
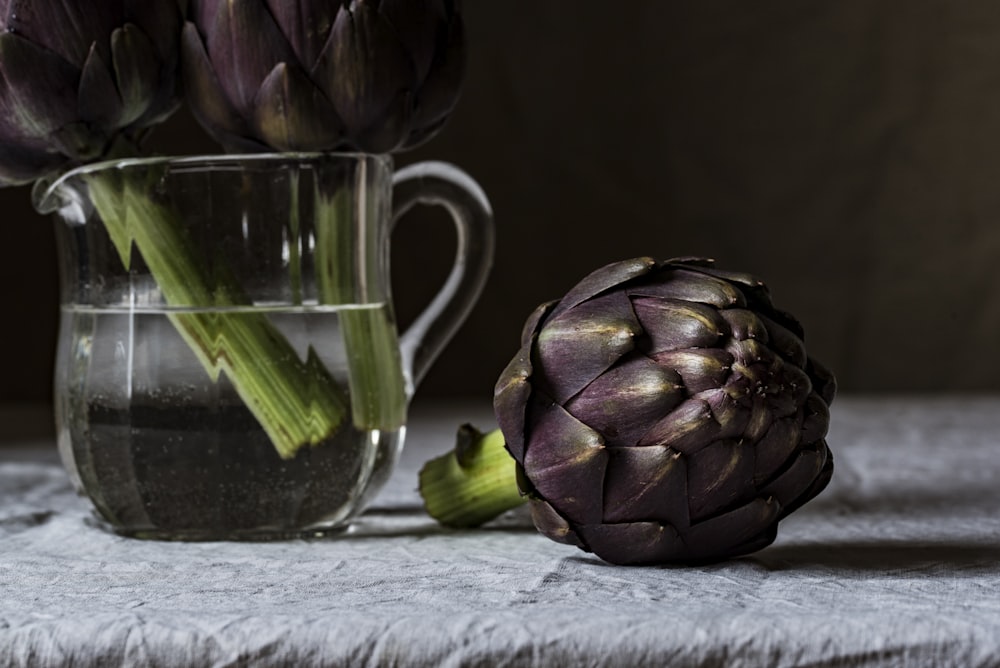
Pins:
x,y
228,363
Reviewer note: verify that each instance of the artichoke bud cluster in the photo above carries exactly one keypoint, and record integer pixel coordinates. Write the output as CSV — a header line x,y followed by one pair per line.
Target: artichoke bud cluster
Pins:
x,y
316,75
310,75
665,412
76,75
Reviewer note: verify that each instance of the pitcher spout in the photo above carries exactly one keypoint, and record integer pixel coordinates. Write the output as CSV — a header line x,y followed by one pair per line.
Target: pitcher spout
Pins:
x,y
64,194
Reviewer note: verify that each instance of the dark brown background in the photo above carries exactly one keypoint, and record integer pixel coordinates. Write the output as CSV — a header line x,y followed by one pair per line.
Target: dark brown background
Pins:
x,y
847,152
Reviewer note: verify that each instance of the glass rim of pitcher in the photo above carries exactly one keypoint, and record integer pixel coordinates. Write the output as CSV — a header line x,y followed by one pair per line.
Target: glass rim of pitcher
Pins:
x,y
44,190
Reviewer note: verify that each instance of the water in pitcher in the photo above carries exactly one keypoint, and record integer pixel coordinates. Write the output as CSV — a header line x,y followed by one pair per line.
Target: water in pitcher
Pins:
x,y
162,448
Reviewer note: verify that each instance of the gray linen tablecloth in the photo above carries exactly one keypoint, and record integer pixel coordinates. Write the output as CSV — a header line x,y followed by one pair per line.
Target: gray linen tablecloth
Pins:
x,y
896,564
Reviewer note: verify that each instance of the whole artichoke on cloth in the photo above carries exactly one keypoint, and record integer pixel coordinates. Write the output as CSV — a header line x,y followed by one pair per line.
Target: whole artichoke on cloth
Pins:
x,y
75,75
659,412
316,75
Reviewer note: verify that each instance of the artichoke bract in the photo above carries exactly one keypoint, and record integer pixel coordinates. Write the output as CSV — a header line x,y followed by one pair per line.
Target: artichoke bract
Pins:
x,y
317,75
663,412
76,75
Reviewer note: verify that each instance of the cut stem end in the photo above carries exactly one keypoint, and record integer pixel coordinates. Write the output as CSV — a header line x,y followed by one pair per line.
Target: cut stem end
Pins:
x,y
472,484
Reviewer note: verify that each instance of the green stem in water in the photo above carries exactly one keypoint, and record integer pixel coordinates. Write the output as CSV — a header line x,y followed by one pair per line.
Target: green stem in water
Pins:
x,y
295,401
472,484
375,377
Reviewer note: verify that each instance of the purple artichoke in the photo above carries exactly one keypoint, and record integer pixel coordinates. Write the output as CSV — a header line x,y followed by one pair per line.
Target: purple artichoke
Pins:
x,y
317,75
660,412
75,75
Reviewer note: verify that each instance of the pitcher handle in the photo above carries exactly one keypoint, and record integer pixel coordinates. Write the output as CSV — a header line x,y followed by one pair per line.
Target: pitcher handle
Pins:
x,y
439,183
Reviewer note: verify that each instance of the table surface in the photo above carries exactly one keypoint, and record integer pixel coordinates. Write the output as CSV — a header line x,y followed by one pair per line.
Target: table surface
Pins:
x,y
895,564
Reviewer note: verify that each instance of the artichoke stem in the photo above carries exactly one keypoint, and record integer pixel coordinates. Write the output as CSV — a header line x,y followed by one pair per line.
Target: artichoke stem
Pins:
x,y
473,483
375,372
296,402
